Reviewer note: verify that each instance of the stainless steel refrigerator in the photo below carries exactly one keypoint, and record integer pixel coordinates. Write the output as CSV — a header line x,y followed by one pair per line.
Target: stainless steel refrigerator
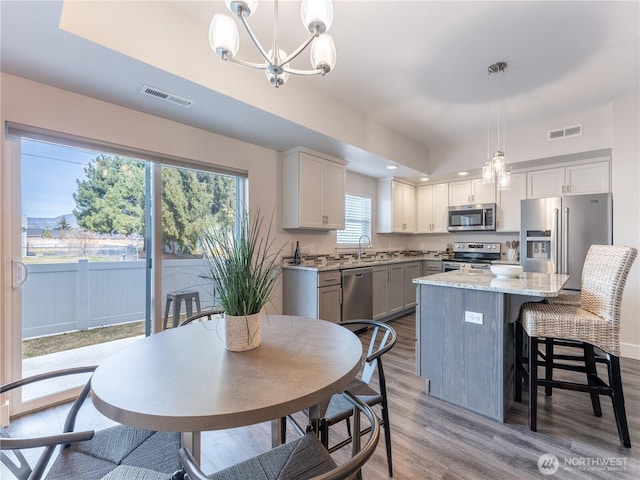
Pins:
x,y
556,233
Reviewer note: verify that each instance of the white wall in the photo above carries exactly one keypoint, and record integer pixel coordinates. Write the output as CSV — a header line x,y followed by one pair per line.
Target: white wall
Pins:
x,y
625,126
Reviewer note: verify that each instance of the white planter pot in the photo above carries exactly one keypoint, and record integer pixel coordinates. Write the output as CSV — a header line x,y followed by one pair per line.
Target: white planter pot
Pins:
x,y
242,333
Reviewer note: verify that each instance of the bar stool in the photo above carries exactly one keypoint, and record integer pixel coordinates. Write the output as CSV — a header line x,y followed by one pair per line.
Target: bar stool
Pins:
x,y
186,296
593,326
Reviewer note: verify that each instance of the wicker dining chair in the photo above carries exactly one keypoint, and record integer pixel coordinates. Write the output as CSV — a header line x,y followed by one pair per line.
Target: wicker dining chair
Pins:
x,y
594,325
382,339
85,454
304,458
202,316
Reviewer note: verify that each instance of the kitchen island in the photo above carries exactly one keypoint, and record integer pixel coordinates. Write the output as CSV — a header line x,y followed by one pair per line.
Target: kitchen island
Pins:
x,y
465,334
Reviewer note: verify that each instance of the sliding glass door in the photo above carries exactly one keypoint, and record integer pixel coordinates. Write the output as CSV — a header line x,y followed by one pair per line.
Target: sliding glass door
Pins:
x,y
91,269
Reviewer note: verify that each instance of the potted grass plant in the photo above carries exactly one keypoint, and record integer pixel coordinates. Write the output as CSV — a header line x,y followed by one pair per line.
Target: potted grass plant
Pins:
x,y
244,267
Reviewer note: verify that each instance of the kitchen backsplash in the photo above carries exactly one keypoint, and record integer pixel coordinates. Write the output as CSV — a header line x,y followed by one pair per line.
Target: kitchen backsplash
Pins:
x,y
346,258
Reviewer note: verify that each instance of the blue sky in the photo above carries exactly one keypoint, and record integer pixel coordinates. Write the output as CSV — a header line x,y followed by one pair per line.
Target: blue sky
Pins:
x,y
49,174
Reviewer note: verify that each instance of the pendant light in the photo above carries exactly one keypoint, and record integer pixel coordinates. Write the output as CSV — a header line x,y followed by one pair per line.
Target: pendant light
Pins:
x,y
495,168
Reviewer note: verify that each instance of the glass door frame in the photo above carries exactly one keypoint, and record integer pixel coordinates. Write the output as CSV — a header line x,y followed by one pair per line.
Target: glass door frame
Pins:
x,y
11,247
11,338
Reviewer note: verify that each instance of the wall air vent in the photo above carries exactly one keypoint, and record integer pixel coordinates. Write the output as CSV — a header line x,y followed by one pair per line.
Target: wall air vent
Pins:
x,y
166,96
564,132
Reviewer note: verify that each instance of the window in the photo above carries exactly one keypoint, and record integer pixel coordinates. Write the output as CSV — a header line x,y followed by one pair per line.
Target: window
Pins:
x,y
357,220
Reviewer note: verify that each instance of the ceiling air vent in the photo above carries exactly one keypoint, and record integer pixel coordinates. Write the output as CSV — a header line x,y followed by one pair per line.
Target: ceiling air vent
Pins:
x,y
166,96
564,132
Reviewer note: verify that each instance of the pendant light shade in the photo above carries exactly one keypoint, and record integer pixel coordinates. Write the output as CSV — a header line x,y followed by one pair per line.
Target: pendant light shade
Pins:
x,y
317,15
495,167
223,36
504,179
323,53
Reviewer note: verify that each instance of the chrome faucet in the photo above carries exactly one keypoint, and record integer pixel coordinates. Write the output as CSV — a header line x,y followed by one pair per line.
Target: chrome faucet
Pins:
x,y
359,252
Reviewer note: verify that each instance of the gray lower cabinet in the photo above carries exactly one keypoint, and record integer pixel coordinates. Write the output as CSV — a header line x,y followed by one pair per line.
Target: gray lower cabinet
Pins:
x,y
411,270
388,283
330,303
431,267
393,290
380,288
312,294
395,297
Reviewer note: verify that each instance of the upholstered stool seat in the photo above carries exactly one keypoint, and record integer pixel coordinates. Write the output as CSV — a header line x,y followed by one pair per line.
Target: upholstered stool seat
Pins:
x,y
569,322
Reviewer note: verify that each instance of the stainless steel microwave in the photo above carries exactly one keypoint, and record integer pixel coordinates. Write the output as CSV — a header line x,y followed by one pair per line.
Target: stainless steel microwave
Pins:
x,y
481,216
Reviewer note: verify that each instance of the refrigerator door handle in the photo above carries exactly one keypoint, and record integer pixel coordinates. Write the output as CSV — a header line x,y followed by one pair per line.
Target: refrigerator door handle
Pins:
x,y
565,241
556,239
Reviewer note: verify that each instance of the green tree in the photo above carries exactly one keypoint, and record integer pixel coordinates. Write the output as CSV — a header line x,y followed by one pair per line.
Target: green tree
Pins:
x,y
63,224
111,198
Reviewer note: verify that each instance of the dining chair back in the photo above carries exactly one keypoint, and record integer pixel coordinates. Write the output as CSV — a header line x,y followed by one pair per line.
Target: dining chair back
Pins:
x,y
202,316
304,458
592,324
88,453
381,338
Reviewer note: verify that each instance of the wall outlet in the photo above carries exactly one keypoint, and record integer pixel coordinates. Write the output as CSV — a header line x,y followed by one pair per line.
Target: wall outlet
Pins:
x,y
474,317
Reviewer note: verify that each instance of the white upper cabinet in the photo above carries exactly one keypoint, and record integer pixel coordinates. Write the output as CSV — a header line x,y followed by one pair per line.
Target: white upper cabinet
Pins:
x,y
508,203
571,180
431,208
466,192
396,207
313,190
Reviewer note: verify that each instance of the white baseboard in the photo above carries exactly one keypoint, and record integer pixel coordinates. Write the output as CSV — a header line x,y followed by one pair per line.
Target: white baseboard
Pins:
x,y
629,350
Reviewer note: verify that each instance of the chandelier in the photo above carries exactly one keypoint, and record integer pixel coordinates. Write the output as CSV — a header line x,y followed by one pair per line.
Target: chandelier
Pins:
x,y
495,168
317,16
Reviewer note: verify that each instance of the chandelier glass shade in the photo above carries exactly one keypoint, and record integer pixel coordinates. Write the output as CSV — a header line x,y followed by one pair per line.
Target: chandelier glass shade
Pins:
x,y
317,17
495,169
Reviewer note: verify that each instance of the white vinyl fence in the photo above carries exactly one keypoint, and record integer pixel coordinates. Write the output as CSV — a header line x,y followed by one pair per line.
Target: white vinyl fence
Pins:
x,y
64,297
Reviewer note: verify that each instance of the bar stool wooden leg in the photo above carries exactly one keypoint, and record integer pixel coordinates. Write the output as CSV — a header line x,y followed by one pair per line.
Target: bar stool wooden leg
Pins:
x,y
519,331
548,363
592,376
533,383
615,381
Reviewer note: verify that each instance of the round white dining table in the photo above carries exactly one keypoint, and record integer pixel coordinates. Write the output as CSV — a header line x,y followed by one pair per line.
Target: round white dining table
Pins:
x,y
184,380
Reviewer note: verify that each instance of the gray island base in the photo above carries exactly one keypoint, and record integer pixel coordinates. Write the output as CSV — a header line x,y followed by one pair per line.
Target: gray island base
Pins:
x,y
465,335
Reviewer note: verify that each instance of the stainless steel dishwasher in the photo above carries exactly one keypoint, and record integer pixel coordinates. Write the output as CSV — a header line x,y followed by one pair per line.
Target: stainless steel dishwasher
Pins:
x,y
357,294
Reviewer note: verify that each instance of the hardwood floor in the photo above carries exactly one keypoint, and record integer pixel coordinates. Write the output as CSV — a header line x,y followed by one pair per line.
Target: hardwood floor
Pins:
x,y
435,440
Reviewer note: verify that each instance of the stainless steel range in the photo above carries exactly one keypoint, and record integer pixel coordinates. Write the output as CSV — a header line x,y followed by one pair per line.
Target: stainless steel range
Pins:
x,y
478,255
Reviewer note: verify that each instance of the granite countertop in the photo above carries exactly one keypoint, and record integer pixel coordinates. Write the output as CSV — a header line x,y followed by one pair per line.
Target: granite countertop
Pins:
x,y
535,284
369,262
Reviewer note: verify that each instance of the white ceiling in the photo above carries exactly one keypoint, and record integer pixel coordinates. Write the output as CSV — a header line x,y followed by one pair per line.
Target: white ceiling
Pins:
x,y
418,67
